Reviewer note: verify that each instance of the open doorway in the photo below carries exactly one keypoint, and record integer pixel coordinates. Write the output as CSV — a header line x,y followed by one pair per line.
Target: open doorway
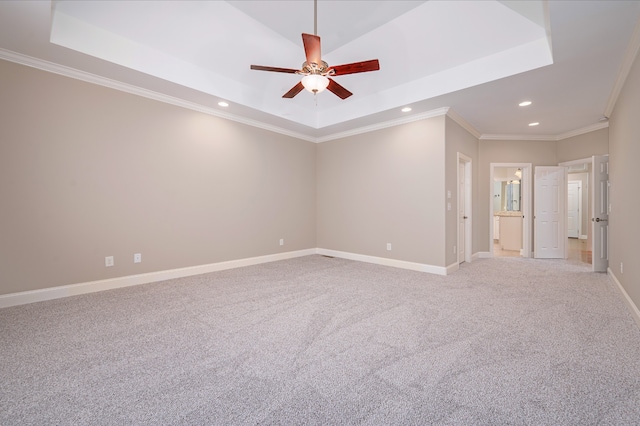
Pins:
x,y
510,218
579,211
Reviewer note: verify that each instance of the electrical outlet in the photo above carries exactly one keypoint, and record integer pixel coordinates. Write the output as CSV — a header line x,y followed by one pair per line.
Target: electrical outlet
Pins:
x,y
281,241
389,246
108,261
137,258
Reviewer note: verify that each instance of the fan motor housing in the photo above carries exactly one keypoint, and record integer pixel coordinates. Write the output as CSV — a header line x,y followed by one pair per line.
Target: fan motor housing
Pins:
x,y
313,68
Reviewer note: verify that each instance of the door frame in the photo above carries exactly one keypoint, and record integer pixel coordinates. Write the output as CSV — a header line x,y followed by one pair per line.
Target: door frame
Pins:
x,y
525,205
468,225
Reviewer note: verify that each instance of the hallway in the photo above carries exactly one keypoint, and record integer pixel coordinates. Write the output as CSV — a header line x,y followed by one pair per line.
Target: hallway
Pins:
x,y
576,250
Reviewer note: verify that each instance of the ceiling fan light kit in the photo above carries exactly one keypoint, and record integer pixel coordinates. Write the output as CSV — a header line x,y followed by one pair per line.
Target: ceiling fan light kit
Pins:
x,y
315,83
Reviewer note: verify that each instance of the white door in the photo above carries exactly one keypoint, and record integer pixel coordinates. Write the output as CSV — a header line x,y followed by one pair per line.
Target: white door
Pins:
x,y
600,219
550,212
462,212
573,209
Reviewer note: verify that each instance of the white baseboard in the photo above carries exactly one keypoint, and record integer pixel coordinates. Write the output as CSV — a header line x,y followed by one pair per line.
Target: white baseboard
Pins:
x,y
475,256
24,297
633,309
422,267
484,254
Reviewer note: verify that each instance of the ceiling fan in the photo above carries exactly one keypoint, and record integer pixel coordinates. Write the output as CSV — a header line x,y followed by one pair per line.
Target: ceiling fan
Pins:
x,y
316,72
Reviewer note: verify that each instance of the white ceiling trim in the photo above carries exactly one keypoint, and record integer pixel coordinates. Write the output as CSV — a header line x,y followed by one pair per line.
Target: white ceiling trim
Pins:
x,y
135,90
562,136
625,68
583,130
149,94
505,137
463,123
385,125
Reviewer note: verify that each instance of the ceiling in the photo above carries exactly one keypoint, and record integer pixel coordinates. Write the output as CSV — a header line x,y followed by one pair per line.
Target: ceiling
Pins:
x,y
478,59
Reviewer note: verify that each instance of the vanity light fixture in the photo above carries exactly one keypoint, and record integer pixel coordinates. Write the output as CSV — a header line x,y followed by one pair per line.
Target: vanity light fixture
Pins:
x,y
406,109
518,173
525,103
535,123
223,104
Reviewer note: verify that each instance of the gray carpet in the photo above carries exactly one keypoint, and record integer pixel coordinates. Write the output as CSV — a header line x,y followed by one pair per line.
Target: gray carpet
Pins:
x,y
316,340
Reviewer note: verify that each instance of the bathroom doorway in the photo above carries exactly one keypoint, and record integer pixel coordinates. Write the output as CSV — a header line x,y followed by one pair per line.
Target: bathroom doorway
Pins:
x,y
510,210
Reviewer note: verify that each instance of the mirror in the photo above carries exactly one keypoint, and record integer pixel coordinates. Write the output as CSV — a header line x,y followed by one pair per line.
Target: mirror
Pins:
x,y
512,201
507,189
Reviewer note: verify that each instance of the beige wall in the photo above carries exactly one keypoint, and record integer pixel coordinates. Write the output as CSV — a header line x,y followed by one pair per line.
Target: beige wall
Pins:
x,y
583,146
87,172
385,187
624,154
457,139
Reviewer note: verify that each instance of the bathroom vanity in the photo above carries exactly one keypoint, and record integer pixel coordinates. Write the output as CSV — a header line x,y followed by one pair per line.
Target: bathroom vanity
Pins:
x,y
510,229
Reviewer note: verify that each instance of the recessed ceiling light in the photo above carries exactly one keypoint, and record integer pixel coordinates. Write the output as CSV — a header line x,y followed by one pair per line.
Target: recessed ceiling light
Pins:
x,y
533,124
223,104
405,109
525,103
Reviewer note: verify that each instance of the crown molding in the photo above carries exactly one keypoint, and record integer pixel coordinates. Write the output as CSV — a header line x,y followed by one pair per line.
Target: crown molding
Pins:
x,y
555,138
625,68
463,123
507,137
583,130
384,125
449,112
149,94
65,71
135,90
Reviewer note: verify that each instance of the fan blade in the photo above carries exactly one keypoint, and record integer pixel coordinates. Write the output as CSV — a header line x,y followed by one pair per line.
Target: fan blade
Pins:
x,y
274,69
312,48
356,67
340,91
294,91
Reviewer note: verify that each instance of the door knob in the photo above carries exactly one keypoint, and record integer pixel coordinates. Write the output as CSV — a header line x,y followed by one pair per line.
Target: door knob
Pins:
x,y
465,217
601,220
